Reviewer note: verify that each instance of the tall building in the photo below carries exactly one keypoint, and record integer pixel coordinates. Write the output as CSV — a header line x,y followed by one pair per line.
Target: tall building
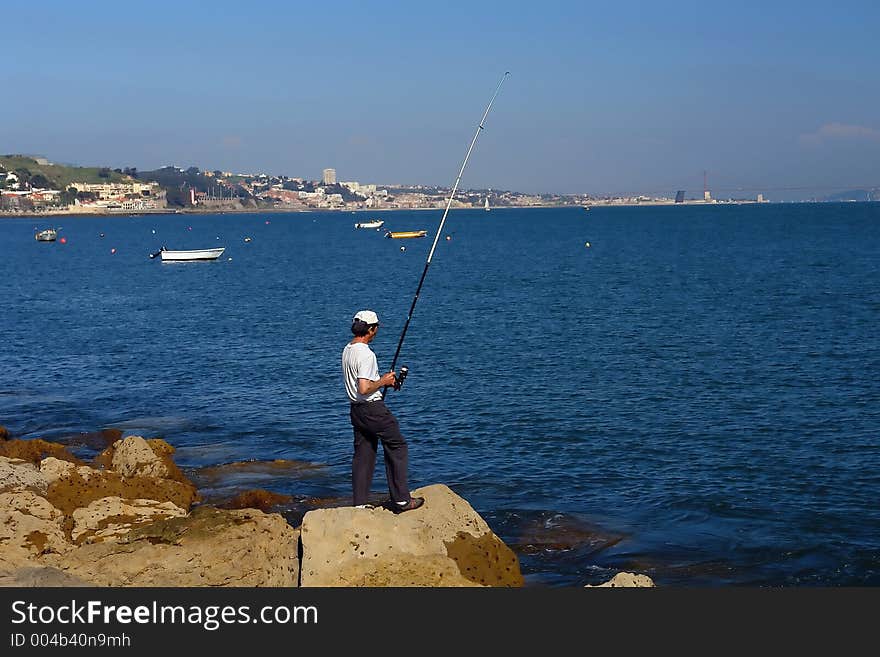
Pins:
x,y
329,176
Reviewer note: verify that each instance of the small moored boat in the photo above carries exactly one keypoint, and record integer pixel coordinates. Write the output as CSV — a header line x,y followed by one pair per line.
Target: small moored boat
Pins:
x,y
376,223
184,256
48,235
406,234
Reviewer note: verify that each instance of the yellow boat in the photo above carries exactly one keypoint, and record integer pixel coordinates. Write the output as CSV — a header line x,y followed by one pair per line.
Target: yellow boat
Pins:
x,y
406,233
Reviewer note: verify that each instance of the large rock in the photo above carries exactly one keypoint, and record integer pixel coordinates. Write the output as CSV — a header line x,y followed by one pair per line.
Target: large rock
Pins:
x,y
111,517
18,475
209,547
444,543
30,527
4,433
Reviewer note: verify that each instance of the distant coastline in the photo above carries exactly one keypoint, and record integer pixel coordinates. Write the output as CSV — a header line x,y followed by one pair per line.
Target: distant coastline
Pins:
x,y
281,210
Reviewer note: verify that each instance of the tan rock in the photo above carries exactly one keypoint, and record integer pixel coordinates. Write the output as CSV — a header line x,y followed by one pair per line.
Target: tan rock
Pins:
x,y
625,580
444,543
136,457
133,457
111,517
54,469
29,528
18,475
209,547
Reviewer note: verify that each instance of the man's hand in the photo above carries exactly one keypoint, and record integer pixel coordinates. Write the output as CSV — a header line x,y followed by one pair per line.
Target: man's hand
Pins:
x,y
367,387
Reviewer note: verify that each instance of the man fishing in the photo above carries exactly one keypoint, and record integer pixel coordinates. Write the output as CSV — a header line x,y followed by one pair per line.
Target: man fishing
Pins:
x,y
372,421
370,418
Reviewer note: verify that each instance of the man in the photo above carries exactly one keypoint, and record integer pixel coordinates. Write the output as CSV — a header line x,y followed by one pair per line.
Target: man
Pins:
x,y
372,421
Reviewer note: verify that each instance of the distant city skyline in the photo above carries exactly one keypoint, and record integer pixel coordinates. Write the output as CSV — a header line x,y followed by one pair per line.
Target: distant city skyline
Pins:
x,y
778,98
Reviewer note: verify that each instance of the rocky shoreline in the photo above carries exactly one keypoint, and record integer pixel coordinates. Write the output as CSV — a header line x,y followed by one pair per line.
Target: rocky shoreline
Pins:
x,y
130,517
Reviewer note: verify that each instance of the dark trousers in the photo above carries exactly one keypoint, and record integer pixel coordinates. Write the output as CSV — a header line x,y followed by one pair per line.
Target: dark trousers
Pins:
x,y
372,422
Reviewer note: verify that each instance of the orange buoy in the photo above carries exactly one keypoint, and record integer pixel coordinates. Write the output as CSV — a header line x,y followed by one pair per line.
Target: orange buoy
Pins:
x,y
64,240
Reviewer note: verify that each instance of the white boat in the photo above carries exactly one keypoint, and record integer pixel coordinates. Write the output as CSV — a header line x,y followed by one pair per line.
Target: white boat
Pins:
x,y
486,207
183,256
48,235
376,223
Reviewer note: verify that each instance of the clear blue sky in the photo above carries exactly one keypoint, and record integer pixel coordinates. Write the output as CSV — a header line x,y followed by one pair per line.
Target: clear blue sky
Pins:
x,y
603,97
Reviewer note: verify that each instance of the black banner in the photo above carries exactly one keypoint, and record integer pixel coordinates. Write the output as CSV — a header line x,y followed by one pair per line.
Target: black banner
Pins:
x,y
149,621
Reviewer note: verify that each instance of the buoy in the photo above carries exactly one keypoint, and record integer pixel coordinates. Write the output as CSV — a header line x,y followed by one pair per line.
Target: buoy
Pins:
x,y
190,228
229,259
101,235
247,239
587,244
267,223
64,240
403,248
112,251
448,237
154,231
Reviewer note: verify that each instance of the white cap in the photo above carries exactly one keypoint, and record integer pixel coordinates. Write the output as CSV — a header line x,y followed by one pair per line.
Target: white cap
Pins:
x,y
367,317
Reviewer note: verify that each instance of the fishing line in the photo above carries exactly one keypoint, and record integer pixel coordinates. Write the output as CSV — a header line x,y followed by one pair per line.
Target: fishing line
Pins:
x,y
440,229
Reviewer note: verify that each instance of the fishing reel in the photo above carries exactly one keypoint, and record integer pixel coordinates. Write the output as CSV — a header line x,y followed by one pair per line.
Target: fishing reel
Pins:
x,y
400,377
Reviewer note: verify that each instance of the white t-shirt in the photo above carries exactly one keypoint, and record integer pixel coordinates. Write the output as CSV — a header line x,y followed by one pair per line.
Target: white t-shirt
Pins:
x,y
359,362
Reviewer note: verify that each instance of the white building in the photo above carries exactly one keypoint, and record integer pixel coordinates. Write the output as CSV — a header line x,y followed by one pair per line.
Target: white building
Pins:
x,y
116,190
329,177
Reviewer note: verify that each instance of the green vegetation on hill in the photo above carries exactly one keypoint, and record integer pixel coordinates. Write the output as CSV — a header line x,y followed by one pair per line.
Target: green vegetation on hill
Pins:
x,y
57,176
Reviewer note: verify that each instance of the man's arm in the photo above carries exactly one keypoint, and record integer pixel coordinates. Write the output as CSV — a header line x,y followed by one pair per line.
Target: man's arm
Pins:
x,y
367,387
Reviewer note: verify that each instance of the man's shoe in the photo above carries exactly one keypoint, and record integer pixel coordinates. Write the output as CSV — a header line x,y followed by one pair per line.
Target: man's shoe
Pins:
x,y
414,503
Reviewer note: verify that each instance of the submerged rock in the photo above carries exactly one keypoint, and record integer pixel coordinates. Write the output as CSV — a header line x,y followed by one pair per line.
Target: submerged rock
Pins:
x,y
444,543
256,499
96,440
248,473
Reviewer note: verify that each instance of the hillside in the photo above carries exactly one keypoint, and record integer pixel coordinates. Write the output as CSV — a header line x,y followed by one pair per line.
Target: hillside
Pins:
x,y
59,176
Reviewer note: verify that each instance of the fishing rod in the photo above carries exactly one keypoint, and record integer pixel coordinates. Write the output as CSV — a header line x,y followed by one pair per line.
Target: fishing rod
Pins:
x,y
437,236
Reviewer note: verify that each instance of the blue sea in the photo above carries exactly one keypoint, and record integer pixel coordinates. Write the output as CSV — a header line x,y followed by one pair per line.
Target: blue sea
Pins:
x,y
688,392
